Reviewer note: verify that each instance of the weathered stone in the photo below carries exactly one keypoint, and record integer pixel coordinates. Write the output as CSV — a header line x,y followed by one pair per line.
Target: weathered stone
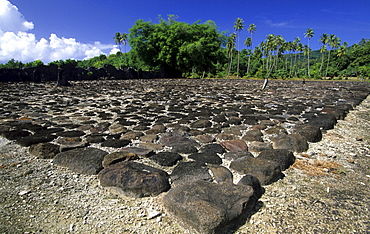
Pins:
x,y
143,152
158,128
257,146
44,150
311,133
184,149
172,140
202,123
95,138
134,179
212,148
166,158
68,143
206,207
186,172
205,138
235,145
71,133
81,160
237,154
207,157
221,174
132,135
149,138
253,135
252,181
115,143
266,171
15,134
34,139
117,129
324,121
284,157
292,142
226,136
117,157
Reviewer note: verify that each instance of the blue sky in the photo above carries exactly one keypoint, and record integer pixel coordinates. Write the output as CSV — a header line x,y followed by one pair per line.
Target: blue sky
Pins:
x,y
85,28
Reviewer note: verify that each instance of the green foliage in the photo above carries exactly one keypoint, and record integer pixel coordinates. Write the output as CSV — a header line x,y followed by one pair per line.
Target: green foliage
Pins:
x,y
12,63
176,46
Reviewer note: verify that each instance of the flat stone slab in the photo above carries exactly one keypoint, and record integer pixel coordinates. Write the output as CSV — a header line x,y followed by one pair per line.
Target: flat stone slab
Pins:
x,y
81,160
134,179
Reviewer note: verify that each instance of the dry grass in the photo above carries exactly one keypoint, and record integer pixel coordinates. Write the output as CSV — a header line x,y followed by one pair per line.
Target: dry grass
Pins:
x,y
318,168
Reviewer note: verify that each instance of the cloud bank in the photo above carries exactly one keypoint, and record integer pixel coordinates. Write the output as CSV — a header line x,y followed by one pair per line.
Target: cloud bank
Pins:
x,y
17,43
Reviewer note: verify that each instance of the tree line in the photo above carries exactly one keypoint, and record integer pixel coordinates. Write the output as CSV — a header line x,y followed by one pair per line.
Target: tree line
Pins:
x,y
201,50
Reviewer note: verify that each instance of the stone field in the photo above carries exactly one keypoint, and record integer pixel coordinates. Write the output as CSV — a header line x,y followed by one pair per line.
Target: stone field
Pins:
x,y
204,150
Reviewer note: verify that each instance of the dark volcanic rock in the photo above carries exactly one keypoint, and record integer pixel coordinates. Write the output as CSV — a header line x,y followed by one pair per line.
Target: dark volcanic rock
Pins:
x,y
71,133
206,207
81,160
115,143
15,134
186,172
34,139
211,158
166,158
235,145
252,181
221,174
257,146
44,150
134,179
212,148
184,149
310,132
266,171
324,121
282,156
117,157
292,142
253,135
238,154
202,123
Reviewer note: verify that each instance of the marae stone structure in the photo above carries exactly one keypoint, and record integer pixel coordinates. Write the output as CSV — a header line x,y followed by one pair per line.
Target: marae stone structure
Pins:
x,y
91,110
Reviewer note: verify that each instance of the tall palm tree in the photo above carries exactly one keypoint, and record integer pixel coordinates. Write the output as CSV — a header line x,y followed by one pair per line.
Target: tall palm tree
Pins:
x,y
230,45
118,39
124,40
323,40
251,29
333,42
309,33
238,26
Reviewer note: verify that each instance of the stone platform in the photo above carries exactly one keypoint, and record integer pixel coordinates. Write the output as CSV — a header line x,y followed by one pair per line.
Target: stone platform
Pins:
x,y
177,132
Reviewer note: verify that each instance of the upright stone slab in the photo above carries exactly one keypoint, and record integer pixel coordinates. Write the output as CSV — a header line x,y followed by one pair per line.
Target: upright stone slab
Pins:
x,y
206,207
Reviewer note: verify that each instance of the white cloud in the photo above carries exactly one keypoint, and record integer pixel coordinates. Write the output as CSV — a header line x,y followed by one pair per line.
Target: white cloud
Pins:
x,y
17,43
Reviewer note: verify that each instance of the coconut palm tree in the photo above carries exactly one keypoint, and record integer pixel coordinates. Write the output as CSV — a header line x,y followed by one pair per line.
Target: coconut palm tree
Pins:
x,y
309,33
230,45
333,42
124,40
238,26
118,38
323,40
251,29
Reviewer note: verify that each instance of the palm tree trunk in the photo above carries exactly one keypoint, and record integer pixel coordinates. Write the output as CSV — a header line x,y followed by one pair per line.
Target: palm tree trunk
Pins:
x,y
327,65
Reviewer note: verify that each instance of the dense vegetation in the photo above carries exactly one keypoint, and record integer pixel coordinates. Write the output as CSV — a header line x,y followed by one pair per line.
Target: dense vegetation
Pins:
x,y
200,50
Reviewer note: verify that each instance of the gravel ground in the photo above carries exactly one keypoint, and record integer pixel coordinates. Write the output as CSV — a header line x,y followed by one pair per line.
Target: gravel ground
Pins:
x,y
326,191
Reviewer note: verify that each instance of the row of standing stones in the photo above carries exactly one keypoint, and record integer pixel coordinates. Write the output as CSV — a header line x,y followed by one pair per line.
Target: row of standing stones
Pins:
x,y
188,138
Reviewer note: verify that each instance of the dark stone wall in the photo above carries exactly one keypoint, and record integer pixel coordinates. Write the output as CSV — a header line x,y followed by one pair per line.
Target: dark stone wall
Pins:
x,y
50,73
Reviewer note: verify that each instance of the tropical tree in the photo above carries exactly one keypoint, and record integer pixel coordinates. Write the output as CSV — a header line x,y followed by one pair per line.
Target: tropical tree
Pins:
x,y
251,29
333,42
238,26
118,38
323,40
176,47
124,40
309,34
230,45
